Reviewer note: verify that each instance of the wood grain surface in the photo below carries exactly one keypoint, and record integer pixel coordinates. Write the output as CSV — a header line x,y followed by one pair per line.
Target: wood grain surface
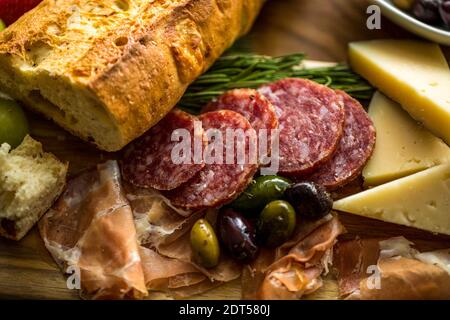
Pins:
x,y
321,29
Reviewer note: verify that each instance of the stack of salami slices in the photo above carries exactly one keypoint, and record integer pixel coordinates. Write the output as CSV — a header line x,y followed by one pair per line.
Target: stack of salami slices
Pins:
x,y
325,136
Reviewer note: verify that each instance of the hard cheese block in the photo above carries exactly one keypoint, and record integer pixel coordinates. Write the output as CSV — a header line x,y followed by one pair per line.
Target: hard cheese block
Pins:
x,y
413,73
403,146
421,200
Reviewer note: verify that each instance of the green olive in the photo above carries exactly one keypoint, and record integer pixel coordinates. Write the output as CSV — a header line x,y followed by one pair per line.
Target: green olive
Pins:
x,y
260,192
404,4
276,223
204,244
13,123
2,25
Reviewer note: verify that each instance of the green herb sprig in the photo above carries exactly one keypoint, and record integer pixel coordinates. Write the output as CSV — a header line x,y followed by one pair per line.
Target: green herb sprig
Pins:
x,y
251,71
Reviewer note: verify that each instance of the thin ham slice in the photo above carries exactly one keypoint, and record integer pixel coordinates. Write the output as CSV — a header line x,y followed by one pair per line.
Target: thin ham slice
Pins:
x,y
164,236
227,269
352,258
402,272
293,269
162,273
91,229
156,221
177,279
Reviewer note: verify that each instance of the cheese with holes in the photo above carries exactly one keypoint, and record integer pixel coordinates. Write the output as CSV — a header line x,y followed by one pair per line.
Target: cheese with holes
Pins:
x,y
413,73
403,146
421,200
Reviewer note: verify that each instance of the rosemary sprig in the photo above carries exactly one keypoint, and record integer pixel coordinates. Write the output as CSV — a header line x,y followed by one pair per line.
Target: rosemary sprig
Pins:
x,y
251,71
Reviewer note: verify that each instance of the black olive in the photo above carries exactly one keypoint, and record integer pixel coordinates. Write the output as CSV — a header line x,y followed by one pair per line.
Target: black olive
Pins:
x,y
427,11
237,235
309,200
445,12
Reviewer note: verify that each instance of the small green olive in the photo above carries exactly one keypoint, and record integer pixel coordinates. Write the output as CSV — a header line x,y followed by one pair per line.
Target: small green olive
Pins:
x,y
260,192
404,4
204,244
2,25
276,223
13,123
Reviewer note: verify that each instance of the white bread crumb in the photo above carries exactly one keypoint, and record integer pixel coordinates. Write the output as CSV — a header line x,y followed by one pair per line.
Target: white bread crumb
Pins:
x,y
30,181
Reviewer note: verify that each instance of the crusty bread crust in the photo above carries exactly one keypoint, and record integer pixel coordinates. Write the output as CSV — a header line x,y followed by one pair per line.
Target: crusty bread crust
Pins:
x,y
108,70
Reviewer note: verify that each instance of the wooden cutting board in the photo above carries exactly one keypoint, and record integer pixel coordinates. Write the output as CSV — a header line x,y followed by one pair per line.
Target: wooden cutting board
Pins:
x,y
320,28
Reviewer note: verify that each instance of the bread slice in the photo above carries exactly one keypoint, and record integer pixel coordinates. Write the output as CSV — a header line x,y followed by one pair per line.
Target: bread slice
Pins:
x,y
30,181
108,70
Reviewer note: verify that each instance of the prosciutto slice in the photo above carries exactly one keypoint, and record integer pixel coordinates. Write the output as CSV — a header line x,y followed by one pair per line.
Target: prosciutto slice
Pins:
x,y
293,269
91,229
391,269
163,234
177,279
156,220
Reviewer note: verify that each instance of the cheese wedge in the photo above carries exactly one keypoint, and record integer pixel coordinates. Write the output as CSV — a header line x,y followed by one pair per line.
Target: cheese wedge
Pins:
x,y
403,146
413,73
421,200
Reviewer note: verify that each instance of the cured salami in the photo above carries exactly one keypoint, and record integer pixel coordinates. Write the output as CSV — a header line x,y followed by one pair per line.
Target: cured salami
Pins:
x,y
251,104
148,161
311,122
354,150
217,183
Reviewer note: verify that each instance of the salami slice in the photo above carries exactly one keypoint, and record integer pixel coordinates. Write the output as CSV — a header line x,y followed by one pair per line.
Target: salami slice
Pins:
x,y
311,121
251,104
256,109
148,162
217,183
354,150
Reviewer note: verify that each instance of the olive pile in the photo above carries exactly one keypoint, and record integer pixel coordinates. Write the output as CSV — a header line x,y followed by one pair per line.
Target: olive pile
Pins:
x,y
429,11
265,214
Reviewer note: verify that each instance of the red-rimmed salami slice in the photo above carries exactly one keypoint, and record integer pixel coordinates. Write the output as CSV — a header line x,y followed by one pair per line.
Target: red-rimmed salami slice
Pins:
x,y
217,183
354,150
311,121
256,108
148,162
251,104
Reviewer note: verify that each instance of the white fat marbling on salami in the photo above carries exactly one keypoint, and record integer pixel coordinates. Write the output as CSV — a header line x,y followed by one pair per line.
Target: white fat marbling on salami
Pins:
x,y
354,150
251,104
148,162
216,184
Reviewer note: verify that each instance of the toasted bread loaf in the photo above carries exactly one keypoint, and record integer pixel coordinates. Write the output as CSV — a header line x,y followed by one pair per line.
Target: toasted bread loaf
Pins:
x,y
30,181
108,70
